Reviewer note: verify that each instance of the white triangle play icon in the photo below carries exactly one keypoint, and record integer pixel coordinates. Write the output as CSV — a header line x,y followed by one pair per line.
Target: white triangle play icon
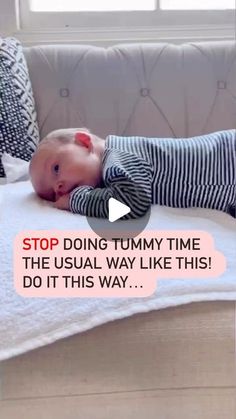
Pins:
x,y
116,209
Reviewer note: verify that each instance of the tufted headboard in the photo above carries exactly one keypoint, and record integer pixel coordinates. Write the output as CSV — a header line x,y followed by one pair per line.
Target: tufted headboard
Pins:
x,y
137,89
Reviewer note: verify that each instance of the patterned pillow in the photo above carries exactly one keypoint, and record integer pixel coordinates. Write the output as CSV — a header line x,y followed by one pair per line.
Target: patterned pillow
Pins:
x,y
19,133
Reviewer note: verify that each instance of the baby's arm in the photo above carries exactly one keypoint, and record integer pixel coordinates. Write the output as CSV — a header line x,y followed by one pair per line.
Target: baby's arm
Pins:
x,y
130,184
92,202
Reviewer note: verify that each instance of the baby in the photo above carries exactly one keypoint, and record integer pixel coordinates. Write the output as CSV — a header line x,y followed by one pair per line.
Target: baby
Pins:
x,y
80,172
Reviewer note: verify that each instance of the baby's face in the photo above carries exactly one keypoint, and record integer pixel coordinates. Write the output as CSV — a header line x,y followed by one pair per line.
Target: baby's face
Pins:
x,y
57,168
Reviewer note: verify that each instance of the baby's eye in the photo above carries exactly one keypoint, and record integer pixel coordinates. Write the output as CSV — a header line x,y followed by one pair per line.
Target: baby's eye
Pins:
x,y
56,168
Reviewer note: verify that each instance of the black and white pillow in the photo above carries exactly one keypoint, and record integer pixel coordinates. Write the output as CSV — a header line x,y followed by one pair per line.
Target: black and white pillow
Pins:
x,y
19,134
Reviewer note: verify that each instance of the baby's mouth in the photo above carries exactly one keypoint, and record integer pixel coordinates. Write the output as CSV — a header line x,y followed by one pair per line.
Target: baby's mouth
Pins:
x,y
67,192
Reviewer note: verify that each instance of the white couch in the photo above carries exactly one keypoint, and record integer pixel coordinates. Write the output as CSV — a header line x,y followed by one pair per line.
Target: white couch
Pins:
x,y
168,364
149,89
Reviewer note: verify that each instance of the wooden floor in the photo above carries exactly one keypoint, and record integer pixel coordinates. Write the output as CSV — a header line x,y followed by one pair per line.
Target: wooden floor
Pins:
x,y
169,364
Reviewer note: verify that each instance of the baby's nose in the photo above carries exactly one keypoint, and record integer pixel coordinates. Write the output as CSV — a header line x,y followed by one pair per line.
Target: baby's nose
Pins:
x,y
60,188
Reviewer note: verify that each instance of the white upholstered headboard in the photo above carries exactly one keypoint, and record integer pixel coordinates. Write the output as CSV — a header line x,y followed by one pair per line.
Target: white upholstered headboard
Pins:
x,y
146,89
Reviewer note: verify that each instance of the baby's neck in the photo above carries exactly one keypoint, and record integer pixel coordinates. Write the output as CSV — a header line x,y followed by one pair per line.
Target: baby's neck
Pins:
x,y
99,146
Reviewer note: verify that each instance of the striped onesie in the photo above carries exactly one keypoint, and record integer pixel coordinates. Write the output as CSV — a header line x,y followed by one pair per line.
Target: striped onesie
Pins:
x,y
182,173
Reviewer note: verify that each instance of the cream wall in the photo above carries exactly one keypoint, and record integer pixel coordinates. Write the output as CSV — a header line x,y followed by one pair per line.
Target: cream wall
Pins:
x,y
8,17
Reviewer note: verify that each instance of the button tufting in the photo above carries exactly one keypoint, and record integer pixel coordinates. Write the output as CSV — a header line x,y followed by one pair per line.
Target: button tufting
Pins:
x,y
221,84
64,92
144,91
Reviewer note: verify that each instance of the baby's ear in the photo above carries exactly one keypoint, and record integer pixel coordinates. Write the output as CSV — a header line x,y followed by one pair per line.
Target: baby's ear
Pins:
x,y
84,139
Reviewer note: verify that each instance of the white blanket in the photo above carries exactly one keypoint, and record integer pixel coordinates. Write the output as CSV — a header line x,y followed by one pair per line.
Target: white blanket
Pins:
x,y
27,323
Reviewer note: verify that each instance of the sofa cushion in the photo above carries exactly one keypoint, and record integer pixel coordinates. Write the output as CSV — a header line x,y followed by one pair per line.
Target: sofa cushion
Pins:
x,y
19,133
149,89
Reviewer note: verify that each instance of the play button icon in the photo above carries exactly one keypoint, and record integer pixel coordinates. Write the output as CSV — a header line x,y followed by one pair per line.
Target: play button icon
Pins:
x,y
115,224
116,210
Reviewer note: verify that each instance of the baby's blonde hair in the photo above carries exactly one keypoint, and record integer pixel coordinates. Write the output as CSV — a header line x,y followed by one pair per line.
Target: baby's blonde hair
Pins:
x,y
59,136
63,135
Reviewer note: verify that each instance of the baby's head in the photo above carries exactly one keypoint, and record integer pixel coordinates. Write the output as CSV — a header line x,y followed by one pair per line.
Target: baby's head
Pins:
x,y
65,159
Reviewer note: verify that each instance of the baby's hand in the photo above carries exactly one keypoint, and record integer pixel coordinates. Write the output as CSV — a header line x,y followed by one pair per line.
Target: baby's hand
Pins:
x,y
63,202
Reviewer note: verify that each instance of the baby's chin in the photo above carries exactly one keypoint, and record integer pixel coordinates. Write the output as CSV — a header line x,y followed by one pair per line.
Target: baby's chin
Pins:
x,y
48,196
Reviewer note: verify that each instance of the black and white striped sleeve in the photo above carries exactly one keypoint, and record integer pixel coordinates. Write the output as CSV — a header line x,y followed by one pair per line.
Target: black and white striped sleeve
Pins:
x,y
127,178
